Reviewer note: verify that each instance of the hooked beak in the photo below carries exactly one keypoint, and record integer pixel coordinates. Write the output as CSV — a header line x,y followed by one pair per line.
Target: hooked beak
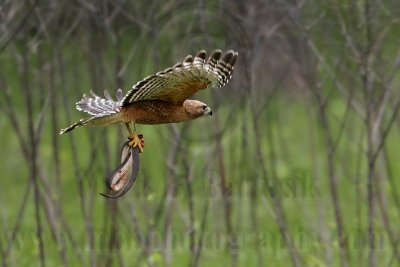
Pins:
x,y
208,111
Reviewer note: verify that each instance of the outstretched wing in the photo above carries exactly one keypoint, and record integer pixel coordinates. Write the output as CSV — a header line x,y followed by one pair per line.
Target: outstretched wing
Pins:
x,y
185,78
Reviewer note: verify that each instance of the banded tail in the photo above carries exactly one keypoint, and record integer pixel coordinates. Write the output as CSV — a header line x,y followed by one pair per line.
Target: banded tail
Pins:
x,y
104,111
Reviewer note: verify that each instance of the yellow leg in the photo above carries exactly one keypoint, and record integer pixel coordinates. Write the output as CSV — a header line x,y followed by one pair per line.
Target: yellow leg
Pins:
x,y
135,140
128,126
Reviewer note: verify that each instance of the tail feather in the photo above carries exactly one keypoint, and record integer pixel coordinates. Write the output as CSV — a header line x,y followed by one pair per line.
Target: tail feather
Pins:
x,y
73,126
93,121
98,106
104,111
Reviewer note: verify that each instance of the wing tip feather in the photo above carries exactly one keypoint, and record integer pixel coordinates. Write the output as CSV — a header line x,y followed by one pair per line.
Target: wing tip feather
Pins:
x,y
215,55
202,54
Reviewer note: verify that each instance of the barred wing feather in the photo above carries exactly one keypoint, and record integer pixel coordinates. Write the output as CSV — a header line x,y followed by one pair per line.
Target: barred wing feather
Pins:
x,y
185,78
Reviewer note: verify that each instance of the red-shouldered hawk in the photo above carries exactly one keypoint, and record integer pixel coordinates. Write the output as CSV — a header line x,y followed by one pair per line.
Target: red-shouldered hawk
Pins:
x,y
161,98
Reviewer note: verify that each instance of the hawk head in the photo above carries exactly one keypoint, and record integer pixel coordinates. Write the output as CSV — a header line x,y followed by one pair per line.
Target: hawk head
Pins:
x,y
195,109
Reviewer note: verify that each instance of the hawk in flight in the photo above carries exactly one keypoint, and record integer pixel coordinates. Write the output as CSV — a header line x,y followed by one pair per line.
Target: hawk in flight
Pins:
x,y
161,98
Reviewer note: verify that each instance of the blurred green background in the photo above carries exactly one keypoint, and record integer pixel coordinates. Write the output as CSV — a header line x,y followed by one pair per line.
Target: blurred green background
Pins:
x,y
298,166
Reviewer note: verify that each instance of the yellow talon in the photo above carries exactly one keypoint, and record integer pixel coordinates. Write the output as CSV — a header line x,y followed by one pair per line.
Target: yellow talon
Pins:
x,y
136,141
